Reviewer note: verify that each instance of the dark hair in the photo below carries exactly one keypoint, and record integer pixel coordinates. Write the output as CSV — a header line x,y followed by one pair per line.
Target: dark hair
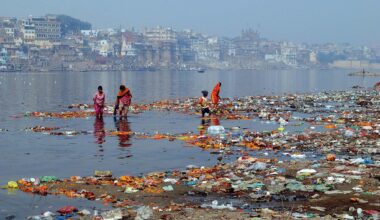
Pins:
x,y
100,88
122,87
205,93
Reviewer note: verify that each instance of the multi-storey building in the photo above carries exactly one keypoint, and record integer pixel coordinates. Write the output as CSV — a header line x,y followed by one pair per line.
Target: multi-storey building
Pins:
x,y
160,34
44,28
128,42
28,33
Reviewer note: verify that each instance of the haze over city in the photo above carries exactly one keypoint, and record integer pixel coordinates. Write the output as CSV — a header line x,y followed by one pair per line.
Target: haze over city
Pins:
x,y
350,21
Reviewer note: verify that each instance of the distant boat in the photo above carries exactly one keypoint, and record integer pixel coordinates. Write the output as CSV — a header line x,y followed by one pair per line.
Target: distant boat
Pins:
x,y
364,73
200,70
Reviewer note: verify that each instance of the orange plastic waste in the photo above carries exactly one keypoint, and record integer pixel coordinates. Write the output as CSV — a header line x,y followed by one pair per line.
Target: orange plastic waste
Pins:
x,y
330,157
330,126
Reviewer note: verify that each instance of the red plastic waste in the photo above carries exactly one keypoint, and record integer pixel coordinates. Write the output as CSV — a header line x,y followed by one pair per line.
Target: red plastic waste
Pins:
x,y
67,210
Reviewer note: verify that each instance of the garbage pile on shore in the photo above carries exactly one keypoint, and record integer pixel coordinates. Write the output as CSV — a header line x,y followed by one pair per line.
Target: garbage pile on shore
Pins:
x,y
349,184
331,169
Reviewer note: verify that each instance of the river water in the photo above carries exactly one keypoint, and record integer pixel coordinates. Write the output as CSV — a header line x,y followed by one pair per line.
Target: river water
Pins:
x,y
27,154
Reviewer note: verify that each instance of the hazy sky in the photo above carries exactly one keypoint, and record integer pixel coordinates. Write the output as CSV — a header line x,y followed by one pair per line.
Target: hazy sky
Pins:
x,y
352,21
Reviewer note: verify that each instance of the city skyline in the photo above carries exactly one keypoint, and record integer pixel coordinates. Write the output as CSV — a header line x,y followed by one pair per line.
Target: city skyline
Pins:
x,y
62,43
340,21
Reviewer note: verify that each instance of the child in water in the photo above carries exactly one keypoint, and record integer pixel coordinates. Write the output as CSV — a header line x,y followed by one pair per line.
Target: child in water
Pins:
x,y
203,102
99,100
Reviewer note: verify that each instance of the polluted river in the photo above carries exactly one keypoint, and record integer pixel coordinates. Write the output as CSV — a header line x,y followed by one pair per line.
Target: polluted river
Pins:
x,y
282,144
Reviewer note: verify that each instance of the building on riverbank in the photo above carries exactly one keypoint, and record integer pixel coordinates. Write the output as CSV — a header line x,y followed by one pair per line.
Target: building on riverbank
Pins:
x,y
61,43
355,64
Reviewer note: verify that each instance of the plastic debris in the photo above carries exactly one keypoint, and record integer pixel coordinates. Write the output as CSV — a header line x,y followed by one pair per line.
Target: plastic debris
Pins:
x,y
48,178
319,147
112,214
214,130
143,213
168,188
306,172
12,185
330,157
106,173
84,212
67,210
129,189
258,166
215,205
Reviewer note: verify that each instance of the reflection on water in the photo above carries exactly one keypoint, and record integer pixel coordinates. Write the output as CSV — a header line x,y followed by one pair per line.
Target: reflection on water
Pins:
x,y
99,131
215,121
207,122
100,135
212,120
122,125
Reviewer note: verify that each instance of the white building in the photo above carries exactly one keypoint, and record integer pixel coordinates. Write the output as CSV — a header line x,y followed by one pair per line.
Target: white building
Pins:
x,y
90,33
274,57
160,34
103,48
128,49
28,33
10,31
286,55
206,49
289,54
313,57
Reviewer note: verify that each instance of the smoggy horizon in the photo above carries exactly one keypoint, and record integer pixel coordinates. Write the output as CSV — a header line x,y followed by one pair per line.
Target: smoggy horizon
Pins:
x,y
340,21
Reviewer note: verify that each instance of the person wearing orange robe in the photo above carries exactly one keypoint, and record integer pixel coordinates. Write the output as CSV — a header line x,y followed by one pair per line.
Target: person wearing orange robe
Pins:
x,y
215,94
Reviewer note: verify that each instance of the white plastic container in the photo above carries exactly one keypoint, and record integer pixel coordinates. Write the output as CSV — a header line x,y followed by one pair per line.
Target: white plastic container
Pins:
x,y
215,130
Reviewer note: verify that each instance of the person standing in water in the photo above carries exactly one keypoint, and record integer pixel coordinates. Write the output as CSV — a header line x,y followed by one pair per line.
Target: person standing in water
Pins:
x,y
123,101
99,100
215,95
203,102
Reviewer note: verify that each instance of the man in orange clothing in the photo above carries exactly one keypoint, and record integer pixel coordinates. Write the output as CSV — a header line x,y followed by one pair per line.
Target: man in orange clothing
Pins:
x,y
215,94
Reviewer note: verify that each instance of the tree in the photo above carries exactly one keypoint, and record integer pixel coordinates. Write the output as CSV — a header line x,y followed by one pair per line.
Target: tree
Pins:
x,y
72,25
